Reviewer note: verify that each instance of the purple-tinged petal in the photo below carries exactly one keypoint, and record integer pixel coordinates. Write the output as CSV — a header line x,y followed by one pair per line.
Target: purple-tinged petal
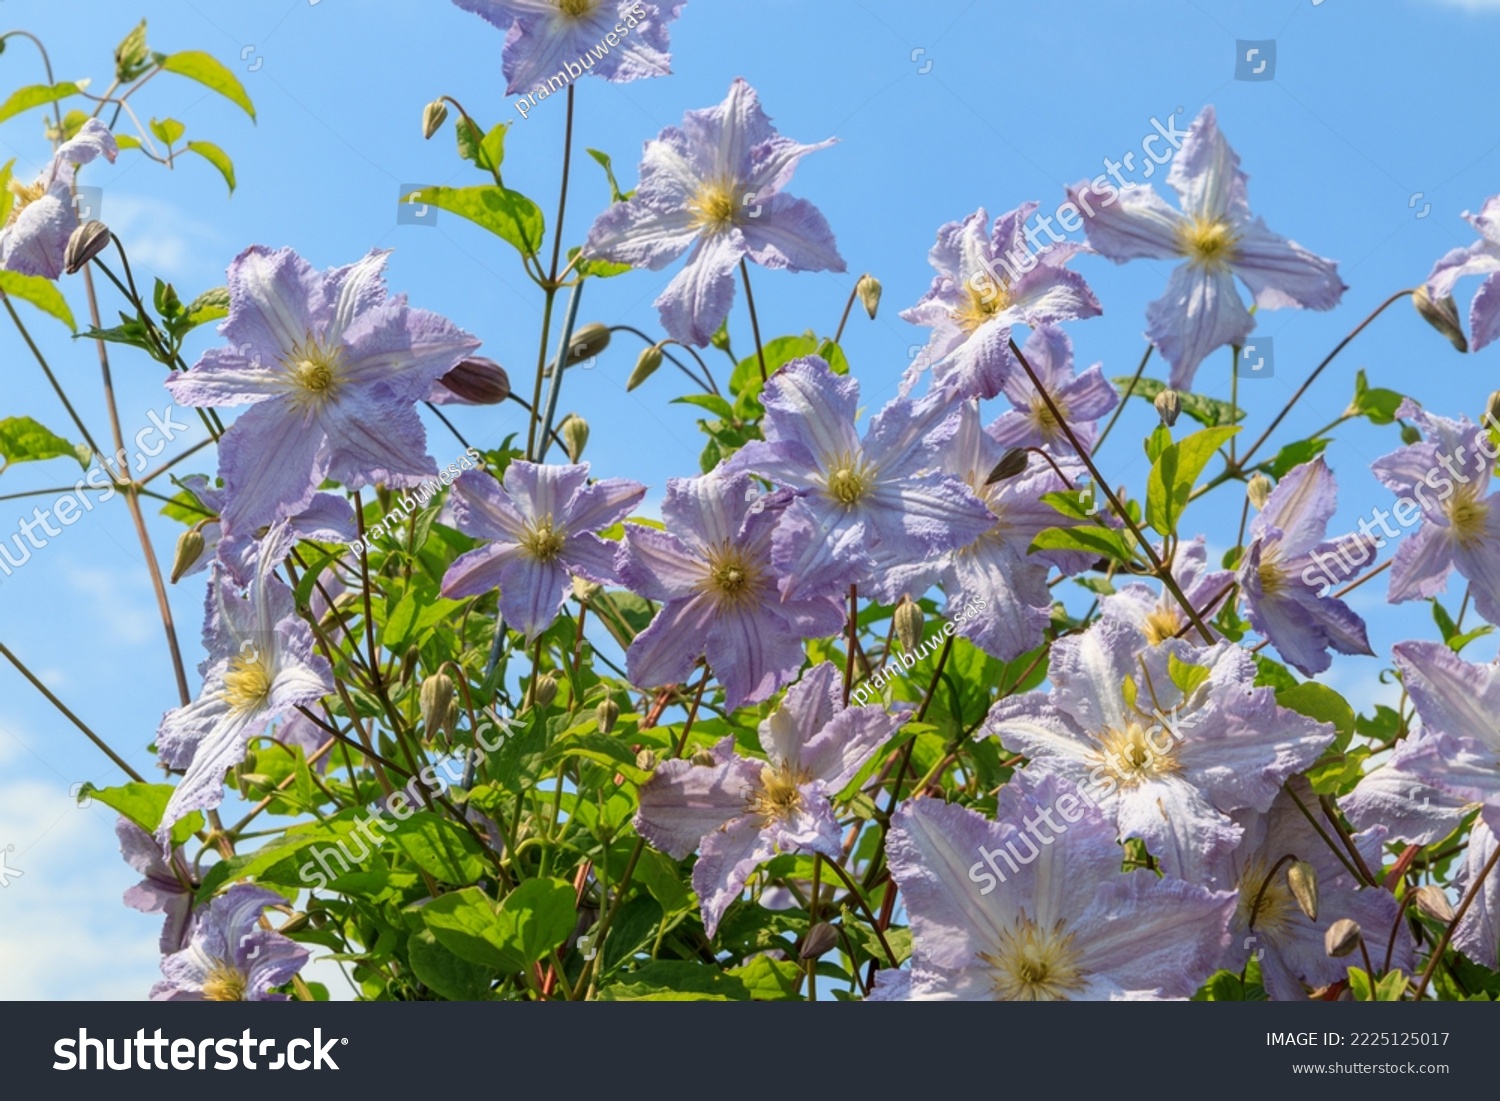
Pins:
x,y
683,802
1200,312
1282,273
697,300
728,858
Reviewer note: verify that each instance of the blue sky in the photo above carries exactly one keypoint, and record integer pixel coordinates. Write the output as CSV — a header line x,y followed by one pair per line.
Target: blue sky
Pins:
x,y
1377,110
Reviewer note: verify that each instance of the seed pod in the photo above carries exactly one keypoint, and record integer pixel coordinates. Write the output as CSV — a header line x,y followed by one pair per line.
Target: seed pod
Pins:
x,y
409,664
574,431
1168,406
645,366
478,381
820,939
606,714
190,546
1011,463
1342,938
587,342
1302,878
1431,901
704,757
544,690
909,623
438,712
1442,315
1258,489
87,242
433,117
868,289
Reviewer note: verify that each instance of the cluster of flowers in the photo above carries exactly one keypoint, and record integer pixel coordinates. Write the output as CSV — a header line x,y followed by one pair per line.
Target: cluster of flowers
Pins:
x,y
758,556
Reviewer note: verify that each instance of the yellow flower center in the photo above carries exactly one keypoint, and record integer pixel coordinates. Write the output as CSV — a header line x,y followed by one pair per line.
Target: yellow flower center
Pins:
x,y
1031,964
1161,625
542,540
1130,755
984,298
248,681
1208,242
577,9
1469,516
1271,578
25,194
732,580
1044,419
779,796
849,478
225,983
715,206
1269,912
315,372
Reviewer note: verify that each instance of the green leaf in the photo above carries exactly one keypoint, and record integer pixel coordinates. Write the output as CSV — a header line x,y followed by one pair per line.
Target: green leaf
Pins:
x,y
614,187
23,440
676,981
35,95
768,980
599,269
1378,406
211,305
507,214
216,157
1319,702
1174,474
1186,675
144,805
1208,412
602,748
744,380
538,916
712,402
1294,455
167,130
1105,542
660,875
1159,440
493,146
7,196
41,293
1391,987
209,72
440,848
445,973
468,924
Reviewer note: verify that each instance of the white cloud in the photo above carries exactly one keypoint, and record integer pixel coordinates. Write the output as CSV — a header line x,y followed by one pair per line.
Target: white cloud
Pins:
x,y
162,239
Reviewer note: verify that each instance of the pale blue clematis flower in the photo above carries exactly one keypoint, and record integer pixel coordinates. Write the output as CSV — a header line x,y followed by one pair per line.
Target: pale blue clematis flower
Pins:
x,y
715,186
1480,258
739,812
1218,238
43,214
1033,907
229,957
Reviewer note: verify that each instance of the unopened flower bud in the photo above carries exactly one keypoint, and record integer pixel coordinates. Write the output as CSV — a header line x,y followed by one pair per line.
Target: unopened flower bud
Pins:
x,y
868,289
1168,406
587,342
820,939
544,690
606,714
585,590
87,242
1302,878
478,381
1011,463
1431,901
1342,938
909,624
438,712
1492,410
704,757
1442,315
190,546
645,367
645,759
1258,489
433,117
409,664
574,431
